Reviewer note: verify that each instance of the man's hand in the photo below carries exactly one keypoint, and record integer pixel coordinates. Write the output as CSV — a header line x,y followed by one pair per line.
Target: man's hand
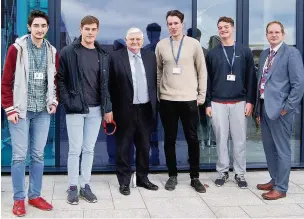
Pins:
x,y
108,117
14,118
199,102
284,112
248,109
52,109
209,111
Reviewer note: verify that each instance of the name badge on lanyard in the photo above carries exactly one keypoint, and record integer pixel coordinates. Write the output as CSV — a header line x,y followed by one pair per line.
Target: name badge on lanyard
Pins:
x,y
38,76
230,76
176,70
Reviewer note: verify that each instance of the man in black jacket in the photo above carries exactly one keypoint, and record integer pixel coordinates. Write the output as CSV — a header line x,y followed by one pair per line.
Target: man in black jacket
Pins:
x,y
83,85
133,94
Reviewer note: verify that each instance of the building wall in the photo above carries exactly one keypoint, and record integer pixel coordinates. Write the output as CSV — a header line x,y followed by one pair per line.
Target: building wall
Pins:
x,y
116,17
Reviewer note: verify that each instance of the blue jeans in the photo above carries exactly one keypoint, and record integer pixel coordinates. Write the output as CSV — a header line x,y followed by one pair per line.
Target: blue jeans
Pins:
x,y
31,133
83,130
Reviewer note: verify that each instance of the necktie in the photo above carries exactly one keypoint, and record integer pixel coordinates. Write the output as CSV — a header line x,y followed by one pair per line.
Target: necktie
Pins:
x,y
266,70
140,80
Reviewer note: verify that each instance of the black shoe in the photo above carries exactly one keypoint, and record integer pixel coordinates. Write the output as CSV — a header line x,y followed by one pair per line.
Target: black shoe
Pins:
x,y
222,179
240,181
171,183
147,185
124,189
197,185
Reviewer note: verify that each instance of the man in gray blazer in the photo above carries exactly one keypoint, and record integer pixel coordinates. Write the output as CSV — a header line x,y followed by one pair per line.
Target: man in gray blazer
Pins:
x,y
280,90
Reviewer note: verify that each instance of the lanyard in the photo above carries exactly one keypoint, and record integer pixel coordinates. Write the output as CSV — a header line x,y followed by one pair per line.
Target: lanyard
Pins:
x,y
233,57
179,49
38,67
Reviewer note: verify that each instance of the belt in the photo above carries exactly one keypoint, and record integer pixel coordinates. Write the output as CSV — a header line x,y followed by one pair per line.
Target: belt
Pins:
x,y
140,105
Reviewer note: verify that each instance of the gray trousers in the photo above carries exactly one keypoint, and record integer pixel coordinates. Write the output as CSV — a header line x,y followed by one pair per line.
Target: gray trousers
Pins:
x,y
225,118
276,141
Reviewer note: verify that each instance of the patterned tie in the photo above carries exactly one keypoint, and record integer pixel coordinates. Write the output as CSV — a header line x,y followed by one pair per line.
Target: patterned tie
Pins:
x,y
140,80
266,70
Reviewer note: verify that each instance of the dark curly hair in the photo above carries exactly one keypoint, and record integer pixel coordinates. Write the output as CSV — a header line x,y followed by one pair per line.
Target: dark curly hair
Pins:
x,y
37,14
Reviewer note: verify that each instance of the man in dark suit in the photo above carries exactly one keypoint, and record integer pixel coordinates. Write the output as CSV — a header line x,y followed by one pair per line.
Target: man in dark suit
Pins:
x,y
132,86
280,91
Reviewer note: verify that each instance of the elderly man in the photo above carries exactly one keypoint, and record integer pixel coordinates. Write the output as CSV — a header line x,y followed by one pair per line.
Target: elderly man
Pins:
x,y
132,86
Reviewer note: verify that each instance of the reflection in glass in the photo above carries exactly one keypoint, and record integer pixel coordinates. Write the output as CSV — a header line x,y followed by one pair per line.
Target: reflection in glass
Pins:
x,y
116,17
261,12
208,13
13,25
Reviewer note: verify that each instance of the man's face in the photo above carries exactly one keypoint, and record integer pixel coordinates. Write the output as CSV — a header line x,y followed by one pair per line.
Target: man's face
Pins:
x,y
39,28
175,26
225,30
134,41
89,33
274,34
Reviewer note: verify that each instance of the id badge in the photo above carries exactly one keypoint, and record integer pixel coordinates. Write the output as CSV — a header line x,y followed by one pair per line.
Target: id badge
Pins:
x,y
177,70
38,76
230,77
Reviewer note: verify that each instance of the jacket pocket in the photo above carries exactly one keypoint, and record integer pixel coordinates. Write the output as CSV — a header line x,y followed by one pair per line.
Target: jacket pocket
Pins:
x,y
74,103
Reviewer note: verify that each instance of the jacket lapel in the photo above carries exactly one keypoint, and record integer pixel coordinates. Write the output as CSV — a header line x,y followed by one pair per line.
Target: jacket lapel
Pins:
x,y
126,62
276,60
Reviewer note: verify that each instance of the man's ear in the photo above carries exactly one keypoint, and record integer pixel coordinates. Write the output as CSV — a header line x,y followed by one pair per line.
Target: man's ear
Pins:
x,y
29,28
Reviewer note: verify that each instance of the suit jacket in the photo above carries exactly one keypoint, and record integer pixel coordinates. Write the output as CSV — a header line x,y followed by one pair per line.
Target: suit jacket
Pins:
x,y
121,84
284,85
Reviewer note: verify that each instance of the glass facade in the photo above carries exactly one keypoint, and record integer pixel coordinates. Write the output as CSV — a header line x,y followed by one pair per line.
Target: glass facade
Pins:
x,y
14,24
116,17
260,13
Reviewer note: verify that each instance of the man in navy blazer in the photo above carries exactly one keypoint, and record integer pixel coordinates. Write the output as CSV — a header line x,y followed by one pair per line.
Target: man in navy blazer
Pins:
x,y
132,86
280,91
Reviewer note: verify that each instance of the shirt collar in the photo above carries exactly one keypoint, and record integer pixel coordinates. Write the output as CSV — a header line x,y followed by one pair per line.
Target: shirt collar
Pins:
x,y
33,45
277,47
131,54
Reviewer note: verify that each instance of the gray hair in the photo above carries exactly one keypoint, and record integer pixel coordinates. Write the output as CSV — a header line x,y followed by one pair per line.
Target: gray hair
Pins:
x,y
135,30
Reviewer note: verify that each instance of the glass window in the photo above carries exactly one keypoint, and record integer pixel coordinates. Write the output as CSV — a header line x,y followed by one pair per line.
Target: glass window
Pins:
x,y
13,25
116,17
260,13
208,13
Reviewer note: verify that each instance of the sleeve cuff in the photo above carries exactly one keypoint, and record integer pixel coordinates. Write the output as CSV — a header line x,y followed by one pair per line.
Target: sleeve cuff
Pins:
x,y
10,110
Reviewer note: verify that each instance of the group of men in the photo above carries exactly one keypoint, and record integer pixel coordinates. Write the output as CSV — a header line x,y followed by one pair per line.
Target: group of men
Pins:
x,y
130,85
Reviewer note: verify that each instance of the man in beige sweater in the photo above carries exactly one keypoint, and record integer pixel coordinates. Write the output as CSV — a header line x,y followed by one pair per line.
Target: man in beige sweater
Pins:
x,y
181,84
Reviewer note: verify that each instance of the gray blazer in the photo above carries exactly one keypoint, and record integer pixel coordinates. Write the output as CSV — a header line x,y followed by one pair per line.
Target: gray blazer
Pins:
x,y
284,85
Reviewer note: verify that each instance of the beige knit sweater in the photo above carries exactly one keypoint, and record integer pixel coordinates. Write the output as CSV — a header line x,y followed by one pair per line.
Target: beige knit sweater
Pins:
x,y
191,84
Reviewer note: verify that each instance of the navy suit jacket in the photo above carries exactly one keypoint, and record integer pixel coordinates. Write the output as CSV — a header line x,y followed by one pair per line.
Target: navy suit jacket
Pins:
x,y
284,85
121,84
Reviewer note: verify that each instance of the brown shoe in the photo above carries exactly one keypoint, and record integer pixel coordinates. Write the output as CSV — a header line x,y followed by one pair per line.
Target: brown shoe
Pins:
x,y
273,195
266,186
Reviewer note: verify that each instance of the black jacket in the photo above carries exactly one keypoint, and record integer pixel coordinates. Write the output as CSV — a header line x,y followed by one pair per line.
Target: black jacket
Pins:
x,y
121,84
70,77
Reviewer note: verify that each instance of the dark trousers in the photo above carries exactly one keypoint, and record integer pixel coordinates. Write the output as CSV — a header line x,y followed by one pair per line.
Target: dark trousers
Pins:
x,y
187,111
276,141
136,127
